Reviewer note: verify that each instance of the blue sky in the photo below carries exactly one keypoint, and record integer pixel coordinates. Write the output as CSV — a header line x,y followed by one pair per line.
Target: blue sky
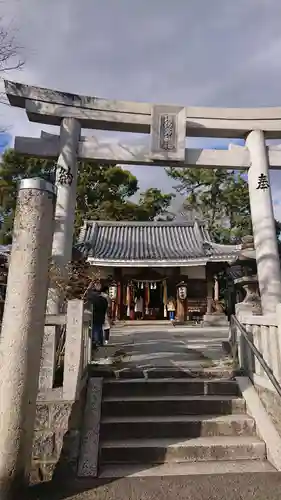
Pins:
x,y
5,141
200,52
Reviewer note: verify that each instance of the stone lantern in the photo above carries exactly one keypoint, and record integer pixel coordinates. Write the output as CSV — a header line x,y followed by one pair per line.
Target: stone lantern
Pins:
x,y
247,278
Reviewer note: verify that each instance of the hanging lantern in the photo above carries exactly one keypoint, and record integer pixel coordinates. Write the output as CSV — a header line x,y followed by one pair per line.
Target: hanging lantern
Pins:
x,y
151,286
155,286
182,290
141,285
112,291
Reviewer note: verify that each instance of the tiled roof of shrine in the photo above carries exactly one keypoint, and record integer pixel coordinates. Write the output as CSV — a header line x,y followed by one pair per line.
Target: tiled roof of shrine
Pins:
x,y
151,243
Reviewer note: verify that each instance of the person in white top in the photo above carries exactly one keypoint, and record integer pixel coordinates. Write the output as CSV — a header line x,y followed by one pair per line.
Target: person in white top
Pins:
x,y
171,306
106,325
139,307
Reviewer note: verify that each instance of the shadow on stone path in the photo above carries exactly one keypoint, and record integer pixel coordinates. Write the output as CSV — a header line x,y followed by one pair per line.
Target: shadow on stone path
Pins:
x,y
262,486
185,349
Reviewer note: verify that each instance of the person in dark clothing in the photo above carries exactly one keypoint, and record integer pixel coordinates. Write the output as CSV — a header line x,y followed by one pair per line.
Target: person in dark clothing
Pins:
x,y
99,308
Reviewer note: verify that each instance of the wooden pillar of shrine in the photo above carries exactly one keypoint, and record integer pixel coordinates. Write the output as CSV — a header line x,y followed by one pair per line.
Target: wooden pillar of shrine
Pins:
x,y
180,310
181,302
210,286
119,301
211,269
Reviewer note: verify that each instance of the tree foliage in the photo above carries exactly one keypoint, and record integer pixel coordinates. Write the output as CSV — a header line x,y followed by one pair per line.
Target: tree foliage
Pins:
x,y
218,196
103,192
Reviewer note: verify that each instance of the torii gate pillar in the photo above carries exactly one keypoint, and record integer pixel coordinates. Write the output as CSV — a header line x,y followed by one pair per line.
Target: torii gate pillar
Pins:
x,y
267,257
66,182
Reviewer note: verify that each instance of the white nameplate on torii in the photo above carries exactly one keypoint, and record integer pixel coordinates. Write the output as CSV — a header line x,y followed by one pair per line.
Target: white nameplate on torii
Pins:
x,y
168,132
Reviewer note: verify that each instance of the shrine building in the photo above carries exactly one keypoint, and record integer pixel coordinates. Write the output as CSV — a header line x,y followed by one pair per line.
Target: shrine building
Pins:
x,y
158,261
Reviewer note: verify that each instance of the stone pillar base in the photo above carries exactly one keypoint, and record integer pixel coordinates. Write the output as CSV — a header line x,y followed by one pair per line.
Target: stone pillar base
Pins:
x,y
215,320
247,308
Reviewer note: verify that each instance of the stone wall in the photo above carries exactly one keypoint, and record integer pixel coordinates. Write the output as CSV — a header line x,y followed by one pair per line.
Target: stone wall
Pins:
x,y
272,404
56,442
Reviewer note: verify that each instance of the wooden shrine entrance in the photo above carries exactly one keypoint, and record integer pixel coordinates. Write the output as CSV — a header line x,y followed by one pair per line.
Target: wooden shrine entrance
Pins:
x,y
156,289
152,288
151,295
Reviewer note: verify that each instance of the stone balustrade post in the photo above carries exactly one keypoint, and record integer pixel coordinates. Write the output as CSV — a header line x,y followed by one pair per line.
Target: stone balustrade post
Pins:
x,y
74,348
278,342
22,331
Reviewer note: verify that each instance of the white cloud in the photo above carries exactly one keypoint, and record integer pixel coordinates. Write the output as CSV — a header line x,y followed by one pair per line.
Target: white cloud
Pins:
x,y
218,53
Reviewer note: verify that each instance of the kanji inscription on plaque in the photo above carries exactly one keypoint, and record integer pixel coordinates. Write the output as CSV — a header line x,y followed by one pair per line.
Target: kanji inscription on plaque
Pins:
x,y
168,132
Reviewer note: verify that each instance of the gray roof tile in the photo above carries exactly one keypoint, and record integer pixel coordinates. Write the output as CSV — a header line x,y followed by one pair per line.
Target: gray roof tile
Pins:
x,y
150,241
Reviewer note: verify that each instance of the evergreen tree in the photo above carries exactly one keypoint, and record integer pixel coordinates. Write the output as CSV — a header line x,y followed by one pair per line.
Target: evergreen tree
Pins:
x,y
218,196
103,192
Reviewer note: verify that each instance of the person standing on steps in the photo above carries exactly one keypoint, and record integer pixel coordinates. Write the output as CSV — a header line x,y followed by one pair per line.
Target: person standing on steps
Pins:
x,y
99,308
171,306
106,325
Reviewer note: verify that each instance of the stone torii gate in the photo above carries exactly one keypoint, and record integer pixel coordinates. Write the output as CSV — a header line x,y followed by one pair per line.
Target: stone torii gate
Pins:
x,y
168,127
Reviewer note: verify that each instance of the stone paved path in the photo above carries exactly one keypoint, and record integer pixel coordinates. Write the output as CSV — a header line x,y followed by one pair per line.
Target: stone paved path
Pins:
x,y
263,486
170,347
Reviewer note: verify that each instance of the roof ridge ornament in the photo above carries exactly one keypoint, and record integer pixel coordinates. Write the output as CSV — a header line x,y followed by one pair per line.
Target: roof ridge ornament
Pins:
x,y
207,247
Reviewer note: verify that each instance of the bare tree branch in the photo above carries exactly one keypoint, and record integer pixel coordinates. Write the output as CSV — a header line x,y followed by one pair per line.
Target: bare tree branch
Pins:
x,y
10,51
10,56
75,280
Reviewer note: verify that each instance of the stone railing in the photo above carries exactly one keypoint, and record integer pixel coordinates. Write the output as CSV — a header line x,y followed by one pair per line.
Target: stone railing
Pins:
x,y
77,348
60,410
265,333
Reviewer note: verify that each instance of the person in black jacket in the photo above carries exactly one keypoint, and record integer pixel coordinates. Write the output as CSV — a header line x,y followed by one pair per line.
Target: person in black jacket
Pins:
x,y
99,308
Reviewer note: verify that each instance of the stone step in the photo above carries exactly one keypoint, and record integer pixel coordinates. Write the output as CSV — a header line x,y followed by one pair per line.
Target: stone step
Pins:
x,y
186,468
141,323
176,450
109,372
171,405
170,386
176,426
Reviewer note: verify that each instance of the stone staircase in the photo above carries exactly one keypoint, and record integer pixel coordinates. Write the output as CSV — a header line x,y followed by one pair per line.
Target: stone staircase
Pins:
x,y
177,426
